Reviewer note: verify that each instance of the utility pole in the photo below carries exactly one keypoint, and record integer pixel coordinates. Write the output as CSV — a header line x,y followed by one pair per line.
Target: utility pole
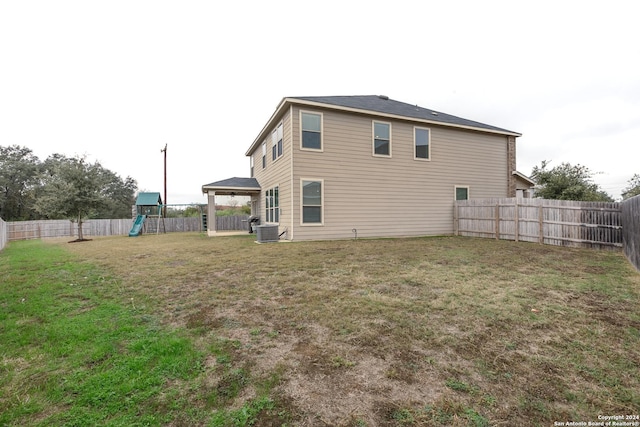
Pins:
x,y
164,210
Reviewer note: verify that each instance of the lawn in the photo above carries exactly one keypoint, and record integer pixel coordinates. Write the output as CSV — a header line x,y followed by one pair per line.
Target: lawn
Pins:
x,y
182,329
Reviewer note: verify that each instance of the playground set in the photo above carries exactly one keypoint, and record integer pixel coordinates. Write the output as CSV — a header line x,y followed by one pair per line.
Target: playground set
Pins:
x,y
150,213
147,205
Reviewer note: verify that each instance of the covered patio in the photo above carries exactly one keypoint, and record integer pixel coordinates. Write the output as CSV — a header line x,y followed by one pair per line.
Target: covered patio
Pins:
x,y
227,187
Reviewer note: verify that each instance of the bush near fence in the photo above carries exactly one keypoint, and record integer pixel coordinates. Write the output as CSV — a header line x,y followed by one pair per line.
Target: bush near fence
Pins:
x,y
42,229
551,222
631,230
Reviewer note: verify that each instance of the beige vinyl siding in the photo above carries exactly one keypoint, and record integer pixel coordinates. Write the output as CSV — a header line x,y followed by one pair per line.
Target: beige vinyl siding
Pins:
x,y
398,195
276,173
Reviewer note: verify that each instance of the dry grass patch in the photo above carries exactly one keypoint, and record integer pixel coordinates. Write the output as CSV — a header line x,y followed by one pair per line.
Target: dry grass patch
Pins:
x,y
432,331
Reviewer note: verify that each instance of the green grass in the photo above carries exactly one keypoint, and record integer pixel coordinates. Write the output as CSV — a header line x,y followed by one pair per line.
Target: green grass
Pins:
x,y
73,355
182,329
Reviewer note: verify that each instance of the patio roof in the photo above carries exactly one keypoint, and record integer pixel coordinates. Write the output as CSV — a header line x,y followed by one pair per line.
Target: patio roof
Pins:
x,y
233,187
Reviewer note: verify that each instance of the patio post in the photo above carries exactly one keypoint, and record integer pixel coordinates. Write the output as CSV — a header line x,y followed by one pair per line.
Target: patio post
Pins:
x,y
211,213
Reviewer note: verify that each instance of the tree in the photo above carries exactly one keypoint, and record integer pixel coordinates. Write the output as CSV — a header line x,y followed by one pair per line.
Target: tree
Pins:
x,y
192,211
567,182
76,189
633,187
18,179
119,195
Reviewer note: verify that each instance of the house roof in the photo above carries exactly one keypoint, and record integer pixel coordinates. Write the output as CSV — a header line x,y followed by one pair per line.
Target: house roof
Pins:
x,y
382,106
148,199
525,178
233,185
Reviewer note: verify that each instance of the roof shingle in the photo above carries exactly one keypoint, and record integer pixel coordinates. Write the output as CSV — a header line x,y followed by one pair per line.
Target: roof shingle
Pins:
x,y
382,104
236,182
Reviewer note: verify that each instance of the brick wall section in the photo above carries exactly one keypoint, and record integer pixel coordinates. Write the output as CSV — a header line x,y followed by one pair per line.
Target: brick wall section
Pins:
x,y
511,166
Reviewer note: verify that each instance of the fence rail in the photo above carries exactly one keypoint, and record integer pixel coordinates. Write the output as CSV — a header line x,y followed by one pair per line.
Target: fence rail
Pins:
x,y
552,222
42,229
631,230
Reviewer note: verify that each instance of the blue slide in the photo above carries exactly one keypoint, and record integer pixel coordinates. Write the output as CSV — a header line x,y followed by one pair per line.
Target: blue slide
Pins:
x,y
137,226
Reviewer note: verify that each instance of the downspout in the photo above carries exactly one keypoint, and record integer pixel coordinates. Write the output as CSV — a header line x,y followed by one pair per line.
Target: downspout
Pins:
x,y
291,187
511,166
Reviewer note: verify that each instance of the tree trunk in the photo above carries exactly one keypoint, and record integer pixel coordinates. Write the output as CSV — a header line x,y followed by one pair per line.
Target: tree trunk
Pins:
x,y
80,237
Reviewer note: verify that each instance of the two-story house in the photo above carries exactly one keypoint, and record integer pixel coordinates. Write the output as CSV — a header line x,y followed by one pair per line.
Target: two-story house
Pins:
x,y
330,167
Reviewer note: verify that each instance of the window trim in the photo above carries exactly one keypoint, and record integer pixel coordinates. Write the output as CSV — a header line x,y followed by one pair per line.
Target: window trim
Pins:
x,y
277,136
373,139
455,192
274,155
275,209
264,154
280,130
315,113
415,157
322,203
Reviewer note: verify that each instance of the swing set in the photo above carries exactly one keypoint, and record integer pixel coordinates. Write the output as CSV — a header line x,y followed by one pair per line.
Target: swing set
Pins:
x,y
150,213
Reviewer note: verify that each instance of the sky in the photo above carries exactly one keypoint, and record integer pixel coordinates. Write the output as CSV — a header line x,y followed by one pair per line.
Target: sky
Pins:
x,y
116,81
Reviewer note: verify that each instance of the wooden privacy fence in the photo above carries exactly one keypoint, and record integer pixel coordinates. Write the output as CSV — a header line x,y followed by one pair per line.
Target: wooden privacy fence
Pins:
x,y
232,222
631,230
42,229
551,222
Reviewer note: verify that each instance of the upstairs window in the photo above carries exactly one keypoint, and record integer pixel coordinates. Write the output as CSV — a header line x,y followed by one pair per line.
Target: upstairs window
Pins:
x,y
311,126
251,164
280,132
381,139
422,139
276,142
264,154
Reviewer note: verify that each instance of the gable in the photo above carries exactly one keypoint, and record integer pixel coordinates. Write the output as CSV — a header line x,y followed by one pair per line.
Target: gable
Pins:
x,y
523,181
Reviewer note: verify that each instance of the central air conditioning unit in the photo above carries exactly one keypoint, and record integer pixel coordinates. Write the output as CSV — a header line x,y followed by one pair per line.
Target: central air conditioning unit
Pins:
x,y
267,233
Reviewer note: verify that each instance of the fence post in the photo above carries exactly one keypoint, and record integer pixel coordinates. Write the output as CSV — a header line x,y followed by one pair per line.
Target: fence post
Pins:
x,y
456,216
498,221
540,225
516,220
